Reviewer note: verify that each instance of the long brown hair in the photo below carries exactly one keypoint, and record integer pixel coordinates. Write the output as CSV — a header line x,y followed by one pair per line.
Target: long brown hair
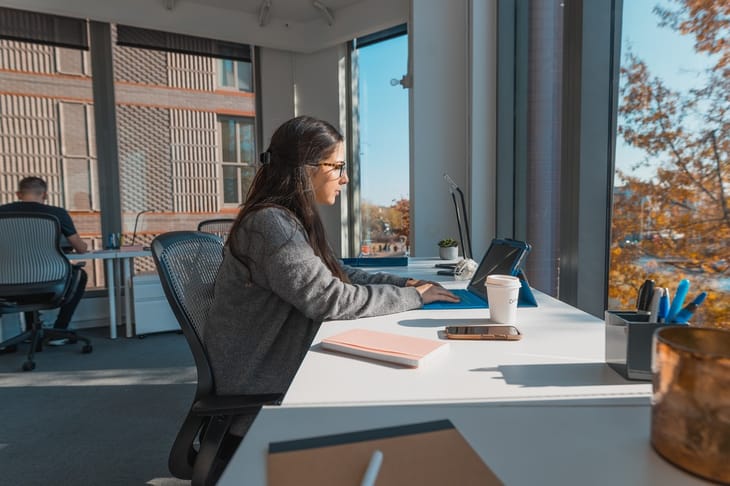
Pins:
x,y
283,181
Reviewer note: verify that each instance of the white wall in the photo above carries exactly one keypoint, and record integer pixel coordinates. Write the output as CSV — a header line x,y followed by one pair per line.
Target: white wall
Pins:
x,y
296,84
439,118
453,51
482,188
276,92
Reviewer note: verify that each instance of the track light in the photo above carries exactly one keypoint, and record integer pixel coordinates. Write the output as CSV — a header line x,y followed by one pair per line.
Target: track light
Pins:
x,y
324,11
264,12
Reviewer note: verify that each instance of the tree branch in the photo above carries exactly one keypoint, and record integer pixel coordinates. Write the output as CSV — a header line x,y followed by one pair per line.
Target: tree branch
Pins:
x,y
723,200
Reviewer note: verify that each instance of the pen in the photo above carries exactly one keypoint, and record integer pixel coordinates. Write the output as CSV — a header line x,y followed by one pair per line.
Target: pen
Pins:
x,y
663,306
371,473
654,305
646,292
679,297
685,314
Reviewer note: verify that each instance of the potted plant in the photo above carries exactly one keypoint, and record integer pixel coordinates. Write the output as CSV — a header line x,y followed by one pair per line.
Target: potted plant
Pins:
x,y
448,249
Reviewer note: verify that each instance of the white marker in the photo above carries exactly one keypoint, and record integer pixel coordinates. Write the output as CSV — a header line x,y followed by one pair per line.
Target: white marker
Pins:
x,y
371,474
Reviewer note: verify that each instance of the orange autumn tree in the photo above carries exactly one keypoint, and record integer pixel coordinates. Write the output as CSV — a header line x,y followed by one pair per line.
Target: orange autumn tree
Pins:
x,y
682,215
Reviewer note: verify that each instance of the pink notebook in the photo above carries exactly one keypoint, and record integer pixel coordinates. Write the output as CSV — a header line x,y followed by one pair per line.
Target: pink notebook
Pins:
x,y
384,346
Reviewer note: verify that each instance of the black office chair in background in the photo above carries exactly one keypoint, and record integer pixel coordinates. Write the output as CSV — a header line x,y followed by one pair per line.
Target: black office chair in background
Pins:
x,y
220,227
188,262
35,275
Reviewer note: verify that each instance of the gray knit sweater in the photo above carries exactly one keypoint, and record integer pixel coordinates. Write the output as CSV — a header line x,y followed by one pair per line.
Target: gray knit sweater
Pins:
x,y
262,321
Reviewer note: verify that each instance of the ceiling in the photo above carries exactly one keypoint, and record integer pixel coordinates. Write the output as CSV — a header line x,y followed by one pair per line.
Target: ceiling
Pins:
x,y
283,10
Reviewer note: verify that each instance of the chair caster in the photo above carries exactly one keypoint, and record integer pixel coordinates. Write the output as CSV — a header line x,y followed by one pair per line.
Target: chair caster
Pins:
x,y
28,366
87,349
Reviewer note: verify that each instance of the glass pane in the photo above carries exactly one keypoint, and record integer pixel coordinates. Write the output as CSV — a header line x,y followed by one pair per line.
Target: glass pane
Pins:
x,y
230,184
170,152
225,73
383,130
46,131
228,140
247,174
244,76
248,145
670,217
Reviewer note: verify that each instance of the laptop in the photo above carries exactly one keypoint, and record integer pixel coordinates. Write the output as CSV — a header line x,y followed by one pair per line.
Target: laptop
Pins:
x,y
504,257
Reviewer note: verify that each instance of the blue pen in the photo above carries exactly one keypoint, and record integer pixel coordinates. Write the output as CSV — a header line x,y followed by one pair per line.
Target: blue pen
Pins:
x,y
663,306
679,297
685,314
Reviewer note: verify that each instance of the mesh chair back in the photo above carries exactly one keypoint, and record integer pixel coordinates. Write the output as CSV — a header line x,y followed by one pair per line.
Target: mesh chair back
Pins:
x,y
32,264
220,227
188,263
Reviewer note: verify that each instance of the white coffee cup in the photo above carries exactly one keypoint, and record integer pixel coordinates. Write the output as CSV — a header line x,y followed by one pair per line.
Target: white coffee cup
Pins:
x,y
503,292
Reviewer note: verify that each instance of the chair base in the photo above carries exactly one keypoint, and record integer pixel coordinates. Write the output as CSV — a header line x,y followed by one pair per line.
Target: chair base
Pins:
x,y
37,335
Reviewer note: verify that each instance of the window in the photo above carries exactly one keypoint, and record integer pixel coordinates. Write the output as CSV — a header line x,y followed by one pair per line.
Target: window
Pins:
x,y
47,130
238,156
381,143
235,74
670,199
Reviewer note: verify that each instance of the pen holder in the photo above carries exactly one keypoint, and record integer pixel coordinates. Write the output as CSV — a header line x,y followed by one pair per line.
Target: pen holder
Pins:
x,y
628,343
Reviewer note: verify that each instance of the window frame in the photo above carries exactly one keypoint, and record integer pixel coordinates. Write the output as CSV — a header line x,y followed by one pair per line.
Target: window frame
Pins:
x,y
238,163
235,88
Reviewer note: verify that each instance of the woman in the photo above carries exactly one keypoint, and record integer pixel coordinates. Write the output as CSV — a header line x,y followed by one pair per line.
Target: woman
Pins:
x,y
279,278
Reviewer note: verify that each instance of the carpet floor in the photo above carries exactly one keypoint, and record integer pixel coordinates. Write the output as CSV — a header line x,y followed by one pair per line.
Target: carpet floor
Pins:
x,y
104,418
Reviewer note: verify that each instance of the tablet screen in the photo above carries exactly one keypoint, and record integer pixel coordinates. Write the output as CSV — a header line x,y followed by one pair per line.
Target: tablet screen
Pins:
x,y
503,258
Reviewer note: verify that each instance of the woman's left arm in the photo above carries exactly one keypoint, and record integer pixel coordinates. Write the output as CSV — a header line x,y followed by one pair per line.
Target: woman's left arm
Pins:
x,y
362,277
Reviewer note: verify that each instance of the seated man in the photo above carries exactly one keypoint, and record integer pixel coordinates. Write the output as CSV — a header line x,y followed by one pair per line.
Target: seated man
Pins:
x,y
33,192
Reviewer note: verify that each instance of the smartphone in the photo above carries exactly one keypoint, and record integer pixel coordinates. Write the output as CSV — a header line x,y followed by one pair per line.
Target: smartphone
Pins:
x,y
493,332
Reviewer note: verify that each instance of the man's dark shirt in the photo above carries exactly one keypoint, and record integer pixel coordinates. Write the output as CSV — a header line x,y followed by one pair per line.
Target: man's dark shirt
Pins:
x,y
67,224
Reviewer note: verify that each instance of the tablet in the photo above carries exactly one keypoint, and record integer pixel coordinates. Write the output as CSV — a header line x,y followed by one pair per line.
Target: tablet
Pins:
x,y
504,257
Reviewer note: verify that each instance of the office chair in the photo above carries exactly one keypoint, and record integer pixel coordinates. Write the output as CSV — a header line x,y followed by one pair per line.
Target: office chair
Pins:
x,y
188,262
34,275
220,226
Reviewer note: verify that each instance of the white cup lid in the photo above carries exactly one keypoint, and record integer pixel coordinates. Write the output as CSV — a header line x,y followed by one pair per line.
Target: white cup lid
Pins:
x,y
507,281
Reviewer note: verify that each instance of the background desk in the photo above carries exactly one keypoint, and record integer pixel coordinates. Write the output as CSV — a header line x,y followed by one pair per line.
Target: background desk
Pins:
x,y
116,280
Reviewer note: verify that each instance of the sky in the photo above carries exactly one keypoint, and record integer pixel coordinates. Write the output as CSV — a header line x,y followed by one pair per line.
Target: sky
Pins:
x,y
383,121
669,56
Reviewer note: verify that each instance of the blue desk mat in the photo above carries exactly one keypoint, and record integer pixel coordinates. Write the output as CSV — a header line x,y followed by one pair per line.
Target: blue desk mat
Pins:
x,y
472,301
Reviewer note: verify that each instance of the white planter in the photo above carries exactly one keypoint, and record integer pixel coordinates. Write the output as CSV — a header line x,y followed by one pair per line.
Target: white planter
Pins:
x,y
449,253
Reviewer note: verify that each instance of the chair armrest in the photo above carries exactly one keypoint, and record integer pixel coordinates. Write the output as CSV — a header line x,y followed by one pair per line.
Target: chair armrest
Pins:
x,y
234,404
78,264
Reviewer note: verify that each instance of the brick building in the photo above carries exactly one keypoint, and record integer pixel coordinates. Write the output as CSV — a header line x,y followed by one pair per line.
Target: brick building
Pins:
x,y
185,131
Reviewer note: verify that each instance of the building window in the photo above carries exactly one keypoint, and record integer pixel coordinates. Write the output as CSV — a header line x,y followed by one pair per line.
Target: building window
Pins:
x,y
238,157
235,75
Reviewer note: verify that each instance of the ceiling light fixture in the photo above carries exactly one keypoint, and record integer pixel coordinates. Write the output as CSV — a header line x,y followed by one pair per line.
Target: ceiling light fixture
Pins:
x,y
324,11
264,12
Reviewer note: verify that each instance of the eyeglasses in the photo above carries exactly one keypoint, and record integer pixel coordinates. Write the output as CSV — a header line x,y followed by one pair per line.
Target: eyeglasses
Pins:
x,y
336,165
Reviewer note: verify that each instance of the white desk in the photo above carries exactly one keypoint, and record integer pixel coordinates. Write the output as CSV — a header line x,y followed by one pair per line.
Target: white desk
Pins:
x,y
116,280
543,410
561,356
524,444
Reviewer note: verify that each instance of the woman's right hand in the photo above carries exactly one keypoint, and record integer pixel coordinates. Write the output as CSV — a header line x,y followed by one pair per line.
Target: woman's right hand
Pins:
x,y
435,293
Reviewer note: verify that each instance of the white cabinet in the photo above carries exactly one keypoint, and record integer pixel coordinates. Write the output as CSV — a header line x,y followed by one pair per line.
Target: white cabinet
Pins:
x,y
152,313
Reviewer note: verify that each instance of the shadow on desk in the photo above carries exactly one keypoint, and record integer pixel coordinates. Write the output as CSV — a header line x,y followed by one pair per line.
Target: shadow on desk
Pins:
x,y
557,374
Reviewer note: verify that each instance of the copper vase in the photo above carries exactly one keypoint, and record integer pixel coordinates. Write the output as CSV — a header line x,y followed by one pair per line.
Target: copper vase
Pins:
x,y
690,419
